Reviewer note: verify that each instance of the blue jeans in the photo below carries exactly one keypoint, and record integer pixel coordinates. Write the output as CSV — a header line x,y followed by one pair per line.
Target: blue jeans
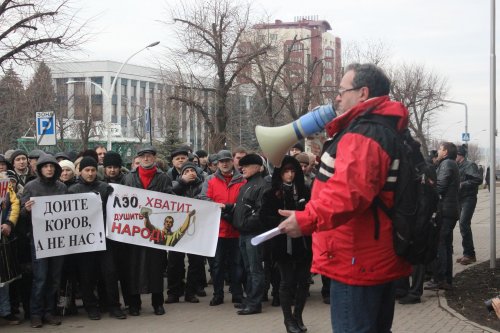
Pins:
x,y
254,268
467,207
443,271
362,309
46,280
227,248
4,301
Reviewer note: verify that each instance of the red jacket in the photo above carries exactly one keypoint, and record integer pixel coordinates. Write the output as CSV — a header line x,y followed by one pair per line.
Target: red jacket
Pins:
x,y
215,189
339,215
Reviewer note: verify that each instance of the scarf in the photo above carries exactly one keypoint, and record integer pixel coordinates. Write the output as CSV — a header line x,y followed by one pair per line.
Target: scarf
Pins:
x,y
146,175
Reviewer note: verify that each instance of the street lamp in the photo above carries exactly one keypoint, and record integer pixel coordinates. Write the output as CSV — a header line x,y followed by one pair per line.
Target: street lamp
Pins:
x,y
466,113
109,94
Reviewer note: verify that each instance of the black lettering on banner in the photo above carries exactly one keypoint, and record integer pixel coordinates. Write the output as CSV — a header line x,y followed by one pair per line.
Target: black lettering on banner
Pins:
x,y
116,202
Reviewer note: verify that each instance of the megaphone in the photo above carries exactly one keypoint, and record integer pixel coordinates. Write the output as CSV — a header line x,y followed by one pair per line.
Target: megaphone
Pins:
x,y
276,141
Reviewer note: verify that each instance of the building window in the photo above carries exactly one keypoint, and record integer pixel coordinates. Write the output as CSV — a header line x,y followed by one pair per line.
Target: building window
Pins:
x,y
328,65
329,53
273,37
328,77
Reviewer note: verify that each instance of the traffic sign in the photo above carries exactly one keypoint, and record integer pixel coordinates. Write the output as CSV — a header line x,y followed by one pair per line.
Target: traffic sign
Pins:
x,y
465,137
46,128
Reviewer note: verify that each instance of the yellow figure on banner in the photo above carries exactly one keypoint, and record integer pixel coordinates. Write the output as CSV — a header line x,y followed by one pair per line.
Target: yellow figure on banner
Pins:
x,y
168,237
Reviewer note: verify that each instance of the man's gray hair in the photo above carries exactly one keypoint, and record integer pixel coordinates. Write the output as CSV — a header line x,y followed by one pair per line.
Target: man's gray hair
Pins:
x,y
372,77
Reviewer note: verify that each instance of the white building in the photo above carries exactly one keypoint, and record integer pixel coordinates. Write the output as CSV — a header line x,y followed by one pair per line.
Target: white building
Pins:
x,y
84,88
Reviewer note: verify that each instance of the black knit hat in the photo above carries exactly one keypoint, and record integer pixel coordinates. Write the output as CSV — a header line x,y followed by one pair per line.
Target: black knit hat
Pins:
x,y
112,158
298,146
16,153
87,161
188,165
462,151
251,159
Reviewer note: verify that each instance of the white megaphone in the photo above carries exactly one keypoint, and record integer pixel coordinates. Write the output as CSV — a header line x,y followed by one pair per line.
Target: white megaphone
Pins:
x,y
276,141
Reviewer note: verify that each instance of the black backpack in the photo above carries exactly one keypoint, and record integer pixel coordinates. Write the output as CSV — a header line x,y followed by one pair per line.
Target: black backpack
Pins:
x,y
415,225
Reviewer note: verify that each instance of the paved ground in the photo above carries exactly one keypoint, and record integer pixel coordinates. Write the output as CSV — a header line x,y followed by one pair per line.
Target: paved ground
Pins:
x,y
432,315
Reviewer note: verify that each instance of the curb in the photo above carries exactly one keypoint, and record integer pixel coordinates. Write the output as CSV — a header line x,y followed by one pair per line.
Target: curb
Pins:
x,y
443,303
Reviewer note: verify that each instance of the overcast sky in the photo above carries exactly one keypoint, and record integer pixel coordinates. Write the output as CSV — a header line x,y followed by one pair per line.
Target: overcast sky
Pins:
x,y
450,37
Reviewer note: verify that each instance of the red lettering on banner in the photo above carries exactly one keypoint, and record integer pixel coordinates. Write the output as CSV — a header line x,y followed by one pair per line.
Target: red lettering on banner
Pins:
x,y
150,202
126,230
135,230
156,235
147,231
117,227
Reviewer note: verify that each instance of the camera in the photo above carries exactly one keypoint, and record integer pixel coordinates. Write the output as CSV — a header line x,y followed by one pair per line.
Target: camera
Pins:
x,y
489,303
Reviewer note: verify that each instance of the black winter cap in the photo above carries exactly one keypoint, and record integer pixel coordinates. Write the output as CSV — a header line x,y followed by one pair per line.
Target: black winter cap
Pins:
x,y
112,158
87,161
251,159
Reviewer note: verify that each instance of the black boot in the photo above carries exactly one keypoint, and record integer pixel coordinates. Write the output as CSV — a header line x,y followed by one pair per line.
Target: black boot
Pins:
x,y
286,307
300,302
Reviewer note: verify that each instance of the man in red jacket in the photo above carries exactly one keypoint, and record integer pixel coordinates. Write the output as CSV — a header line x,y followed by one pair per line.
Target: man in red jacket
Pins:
x,y
223,187
349,247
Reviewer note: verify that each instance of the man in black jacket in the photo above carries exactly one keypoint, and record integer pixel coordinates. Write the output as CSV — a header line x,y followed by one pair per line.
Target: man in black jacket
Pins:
x,y
448,183
90,264
189,185
146,265
470,179
246,219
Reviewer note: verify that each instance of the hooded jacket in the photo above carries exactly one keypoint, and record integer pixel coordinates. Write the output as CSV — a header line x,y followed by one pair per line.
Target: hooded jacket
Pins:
x,y
292,196
42,186
339,215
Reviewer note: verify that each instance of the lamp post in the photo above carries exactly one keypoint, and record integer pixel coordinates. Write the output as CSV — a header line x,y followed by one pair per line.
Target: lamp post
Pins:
x,y
109,94
466,114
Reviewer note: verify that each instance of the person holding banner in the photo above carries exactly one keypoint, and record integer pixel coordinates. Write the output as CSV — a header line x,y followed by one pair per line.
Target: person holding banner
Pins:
x,y
10,206
90,264
187,185
46,271
223,187
146,265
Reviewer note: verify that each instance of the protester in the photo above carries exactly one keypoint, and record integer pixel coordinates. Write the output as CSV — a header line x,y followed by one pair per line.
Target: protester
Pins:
x,y
203,160
113,167
347,247
61,156
246,219
4,164
448,184
296,149
68,175
177,157
187,185
91,265
135,163
289,191
212,164
238,154
223,187
10,208
19,160
33,157
146,265
470,179
46,271
100,151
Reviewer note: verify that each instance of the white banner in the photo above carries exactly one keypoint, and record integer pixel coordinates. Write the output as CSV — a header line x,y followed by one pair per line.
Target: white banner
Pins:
x,y
162,221
66,224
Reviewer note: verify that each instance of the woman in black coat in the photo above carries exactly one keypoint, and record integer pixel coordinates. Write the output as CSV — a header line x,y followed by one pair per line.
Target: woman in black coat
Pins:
x,y
293,255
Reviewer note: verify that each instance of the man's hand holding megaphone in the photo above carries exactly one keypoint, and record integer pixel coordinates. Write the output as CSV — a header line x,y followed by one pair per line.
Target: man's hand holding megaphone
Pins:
x,y
290,226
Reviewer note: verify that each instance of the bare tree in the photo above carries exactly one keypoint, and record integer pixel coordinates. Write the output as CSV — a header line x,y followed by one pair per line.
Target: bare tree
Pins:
x,y
421,91
210,32
369,51
30,29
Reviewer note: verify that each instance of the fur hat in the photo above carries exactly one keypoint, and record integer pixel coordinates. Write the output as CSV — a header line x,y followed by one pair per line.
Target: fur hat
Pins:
x,y
87,161
112,158
251,159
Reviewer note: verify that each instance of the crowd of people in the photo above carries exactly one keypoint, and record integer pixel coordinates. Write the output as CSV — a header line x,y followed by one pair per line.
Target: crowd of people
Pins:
x,y
243,184
323,206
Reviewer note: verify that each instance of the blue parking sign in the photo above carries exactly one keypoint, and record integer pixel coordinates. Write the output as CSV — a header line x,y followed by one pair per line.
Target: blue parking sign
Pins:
x,y
46,128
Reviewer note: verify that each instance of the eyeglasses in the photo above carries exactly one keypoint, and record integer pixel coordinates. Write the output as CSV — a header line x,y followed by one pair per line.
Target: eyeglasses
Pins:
x,y
342,91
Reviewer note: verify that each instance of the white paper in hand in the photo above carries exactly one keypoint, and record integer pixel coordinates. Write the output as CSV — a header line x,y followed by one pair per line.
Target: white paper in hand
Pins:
x,y
265,236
